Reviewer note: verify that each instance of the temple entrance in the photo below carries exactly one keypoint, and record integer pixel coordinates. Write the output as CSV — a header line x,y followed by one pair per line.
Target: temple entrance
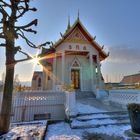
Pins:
x,y
75,78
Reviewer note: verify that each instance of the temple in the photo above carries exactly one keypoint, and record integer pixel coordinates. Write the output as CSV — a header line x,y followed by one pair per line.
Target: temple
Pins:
x,y
74,58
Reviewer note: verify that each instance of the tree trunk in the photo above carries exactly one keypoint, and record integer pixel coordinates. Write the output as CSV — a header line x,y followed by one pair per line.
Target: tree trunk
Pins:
x,y
8,89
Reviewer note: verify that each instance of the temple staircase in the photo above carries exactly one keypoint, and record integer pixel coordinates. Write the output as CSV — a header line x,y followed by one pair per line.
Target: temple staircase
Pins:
x,y
94,120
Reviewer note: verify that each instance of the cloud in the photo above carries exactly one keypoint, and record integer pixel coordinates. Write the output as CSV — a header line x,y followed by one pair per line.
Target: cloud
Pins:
x,y
124,54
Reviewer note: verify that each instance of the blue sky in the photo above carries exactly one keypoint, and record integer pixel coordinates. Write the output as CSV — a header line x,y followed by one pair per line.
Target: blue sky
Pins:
x,y
116,24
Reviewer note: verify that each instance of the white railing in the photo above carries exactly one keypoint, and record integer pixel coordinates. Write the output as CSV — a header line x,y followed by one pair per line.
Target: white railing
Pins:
x,y
124,97
28,104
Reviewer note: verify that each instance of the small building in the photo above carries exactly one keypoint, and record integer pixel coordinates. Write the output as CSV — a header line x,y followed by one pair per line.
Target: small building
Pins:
x,y
37,80
74,58
131,79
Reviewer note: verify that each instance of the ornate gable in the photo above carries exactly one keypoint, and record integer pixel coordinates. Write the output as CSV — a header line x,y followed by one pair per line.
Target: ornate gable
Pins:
x,y
76,37
77,33
75,62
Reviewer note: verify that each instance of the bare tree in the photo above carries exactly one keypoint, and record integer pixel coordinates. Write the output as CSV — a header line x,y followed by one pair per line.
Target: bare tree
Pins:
x,y
11,12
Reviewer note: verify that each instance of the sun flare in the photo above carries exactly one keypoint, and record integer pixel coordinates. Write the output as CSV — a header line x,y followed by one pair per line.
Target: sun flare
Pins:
x,y
35,60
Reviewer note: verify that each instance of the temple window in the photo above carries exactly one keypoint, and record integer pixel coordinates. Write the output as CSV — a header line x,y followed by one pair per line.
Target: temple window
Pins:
x,y
77,47
75,64
96,70
84,48
39,82
70,47
49,78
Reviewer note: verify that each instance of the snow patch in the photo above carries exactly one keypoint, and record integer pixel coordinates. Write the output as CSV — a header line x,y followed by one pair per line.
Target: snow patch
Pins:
x,y
27,130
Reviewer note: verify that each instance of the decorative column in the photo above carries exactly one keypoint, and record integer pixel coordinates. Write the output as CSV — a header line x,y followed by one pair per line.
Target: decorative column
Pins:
x,y
91,72
99,73
70,104
54,72
44,79
63,67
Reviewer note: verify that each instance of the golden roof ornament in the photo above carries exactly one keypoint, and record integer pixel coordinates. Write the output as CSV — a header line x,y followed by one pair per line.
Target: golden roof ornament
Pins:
x,y
78,15
68,27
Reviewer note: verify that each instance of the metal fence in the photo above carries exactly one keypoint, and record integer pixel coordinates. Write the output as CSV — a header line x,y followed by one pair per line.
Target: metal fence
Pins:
x,y
28,106
124,97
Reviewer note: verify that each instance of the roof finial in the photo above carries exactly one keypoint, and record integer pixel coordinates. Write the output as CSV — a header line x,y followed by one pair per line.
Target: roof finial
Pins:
x,y
68,27
78,15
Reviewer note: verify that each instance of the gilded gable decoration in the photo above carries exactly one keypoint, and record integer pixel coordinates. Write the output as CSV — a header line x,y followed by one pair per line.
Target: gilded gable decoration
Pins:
x,y
77,37
75,62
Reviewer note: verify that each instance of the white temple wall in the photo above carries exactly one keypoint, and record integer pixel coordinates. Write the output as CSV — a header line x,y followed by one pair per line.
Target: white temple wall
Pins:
x,y
85,70
47,79
65,47
58,71
85,77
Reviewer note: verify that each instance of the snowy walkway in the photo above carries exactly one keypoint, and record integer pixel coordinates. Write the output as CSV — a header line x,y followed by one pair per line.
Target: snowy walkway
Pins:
x,y
63,131
96,103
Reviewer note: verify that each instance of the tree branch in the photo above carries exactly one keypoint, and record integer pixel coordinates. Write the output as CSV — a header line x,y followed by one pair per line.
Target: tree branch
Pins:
x,y
24,9
5,4
27,55
22,60
34,22
30,30
3,12
26,39
43,44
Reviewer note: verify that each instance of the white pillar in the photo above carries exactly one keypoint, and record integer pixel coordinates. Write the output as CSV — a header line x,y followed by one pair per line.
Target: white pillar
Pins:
x,y
91,72
70,106
99,73
44,79
63,67
54,72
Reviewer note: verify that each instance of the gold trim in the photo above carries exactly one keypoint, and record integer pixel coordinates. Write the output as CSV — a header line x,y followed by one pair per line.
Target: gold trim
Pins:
x,y
77,41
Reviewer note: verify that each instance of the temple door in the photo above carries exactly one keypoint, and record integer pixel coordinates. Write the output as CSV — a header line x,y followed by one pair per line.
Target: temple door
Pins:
x,y
75,77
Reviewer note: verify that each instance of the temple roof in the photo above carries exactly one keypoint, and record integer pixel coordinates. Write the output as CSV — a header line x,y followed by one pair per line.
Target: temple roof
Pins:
x,y
88,36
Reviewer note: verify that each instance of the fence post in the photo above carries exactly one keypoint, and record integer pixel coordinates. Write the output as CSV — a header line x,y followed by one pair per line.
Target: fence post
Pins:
x,y
138,98
70,107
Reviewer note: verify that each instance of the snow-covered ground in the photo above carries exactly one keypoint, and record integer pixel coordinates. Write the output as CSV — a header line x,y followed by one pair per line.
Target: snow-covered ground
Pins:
x,y
62,131
82,108
26,131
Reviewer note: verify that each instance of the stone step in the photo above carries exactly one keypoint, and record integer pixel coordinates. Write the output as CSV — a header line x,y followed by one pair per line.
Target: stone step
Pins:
x,y
84,94
91,120
116,117
106,112
99,125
